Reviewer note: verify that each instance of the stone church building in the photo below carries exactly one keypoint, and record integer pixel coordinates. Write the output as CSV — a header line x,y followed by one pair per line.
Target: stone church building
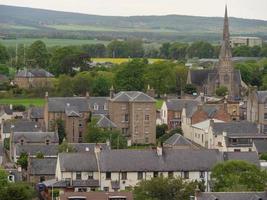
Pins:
x,y
224,74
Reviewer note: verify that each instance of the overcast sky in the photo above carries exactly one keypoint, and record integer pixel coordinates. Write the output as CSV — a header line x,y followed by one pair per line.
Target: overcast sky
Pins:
x,y
255,9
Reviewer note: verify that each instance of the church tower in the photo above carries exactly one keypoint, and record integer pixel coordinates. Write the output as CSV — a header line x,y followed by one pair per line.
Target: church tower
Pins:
x,y
225,67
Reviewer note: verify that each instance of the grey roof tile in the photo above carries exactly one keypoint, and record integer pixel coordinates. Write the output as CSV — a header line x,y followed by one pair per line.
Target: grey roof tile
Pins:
x,y
238,127
251,157
21,126
132,96
35,137
179,104
101,103
36,113
59,104
178,140
33,149
45,166
27,73
261,146
78,161
104,122
83,147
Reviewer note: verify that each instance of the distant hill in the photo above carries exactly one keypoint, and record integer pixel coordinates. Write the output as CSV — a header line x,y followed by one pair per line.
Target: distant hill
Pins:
x,y
29,22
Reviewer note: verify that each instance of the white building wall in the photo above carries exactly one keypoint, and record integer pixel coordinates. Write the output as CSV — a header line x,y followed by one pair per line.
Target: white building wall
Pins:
x,y
164,113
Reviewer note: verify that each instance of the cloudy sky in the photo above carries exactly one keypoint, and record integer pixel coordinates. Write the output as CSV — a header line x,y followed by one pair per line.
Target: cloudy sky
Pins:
x,y
255,9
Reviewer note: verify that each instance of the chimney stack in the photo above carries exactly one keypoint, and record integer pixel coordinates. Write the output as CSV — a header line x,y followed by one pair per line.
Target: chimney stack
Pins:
x,y
46,95
111,92
87,95
159,151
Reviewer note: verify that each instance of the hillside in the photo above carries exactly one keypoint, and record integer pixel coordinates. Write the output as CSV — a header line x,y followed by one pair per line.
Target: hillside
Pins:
x,y
45,23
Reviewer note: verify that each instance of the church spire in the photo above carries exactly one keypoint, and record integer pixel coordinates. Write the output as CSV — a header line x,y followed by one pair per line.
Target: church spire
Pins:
x,y
225,52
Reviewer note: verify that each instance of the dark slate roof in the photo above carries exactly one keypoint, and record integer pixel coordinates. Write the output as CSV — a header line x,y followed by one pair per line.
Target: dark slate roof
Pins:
x,y
36,113
191,108
232,196
7,110
240,128
45,166
78,162
35,137
132,96
83,147
72,111
178,104
75,183
178,140
21,126
261,146
99,195
59,104
38,73
251,157
262,96
149,160
33,149
101,102
200,77
104,122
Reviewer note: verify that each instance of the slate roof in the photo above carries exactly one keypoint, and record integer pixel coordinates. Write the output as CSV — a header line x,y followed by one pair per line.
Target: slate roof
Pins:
x,y
98,195
200,77
100,102
45,166
251,157
232,196
148,160
178,104
72,111
178,140
36,113
262,96
81,147
132,96
75,183
59,104
104,122
34,73
21,126
33,149
7,110
261,146
78,161
191,108
35,137
240,128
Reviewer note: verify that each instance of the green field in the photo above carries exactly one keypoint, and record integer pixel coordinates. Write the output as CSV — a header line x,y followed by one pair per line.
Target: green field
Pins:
x,y
23,101
50,42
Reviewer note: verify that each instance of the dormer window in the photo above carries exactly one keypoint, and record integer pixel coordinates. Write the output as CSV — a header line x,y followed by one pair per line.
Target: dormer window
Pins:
x,y
95,106
21,142
47,142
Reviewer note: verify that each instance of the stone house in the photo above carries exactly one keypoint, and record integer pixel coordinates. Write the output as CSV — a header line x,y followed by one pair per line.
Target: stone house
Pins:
x,y
134,113
30,78
73,111
115,170
257,108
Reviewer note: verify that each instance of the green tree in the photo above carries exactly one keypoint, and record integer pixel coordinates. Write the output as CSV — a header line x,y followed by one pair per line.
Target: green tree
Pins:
x,y
178,51
61,130
162,188
190,89
242,51
101,86
64,85
17,191
117,49
65,147
135,48
3,178
181,77
37,55
3,54
200,49
161,76
221,91
82,83
39,155
165,50
23,160
237,176
98,135
161,130
130,77
263,156
95,50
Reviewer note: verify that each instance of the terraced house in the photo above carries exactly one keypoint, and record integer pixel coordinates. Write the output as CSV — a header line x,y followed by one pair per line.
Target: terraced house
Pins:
x,y
134,113
115,170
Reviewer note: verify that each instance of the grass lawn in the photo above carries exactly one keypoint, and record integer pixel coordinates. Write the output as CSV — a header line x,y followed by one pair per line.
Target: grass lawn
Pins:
x,y
159,103
24,101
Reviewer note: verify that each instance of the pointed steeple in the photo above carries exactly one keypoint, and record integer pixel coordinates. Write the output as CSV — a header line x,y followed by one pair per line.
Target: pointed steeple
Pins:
x,y
226,34
225,52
